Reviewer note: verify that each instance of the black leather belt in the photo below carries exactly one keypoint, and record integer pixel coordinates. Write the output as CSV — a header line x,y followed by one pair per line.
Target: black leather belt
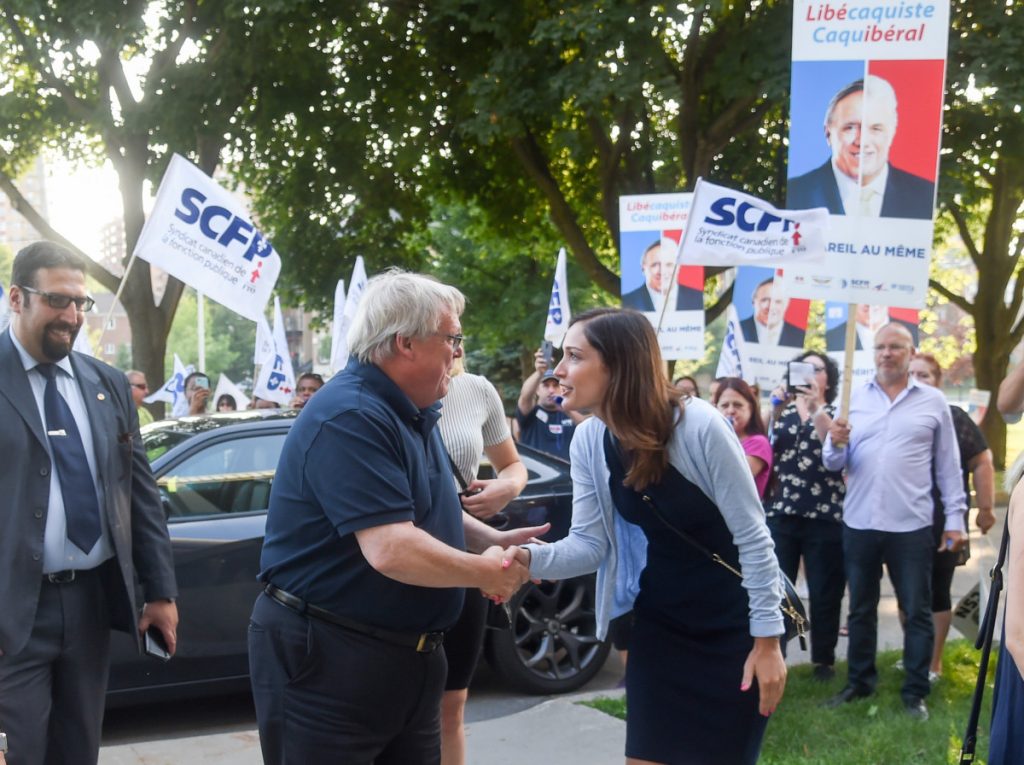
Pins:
x,y
424,642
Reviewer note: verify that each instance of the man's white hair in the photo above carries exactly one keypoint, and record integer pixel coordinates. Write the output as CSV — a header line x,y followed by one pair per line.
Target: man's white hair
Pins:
x,y
873,87
396,303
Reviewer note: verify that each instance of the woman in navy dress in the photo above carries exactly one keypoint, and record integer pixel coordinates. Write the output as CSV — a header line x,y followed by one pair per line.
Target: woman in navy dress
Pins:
x,y
705,669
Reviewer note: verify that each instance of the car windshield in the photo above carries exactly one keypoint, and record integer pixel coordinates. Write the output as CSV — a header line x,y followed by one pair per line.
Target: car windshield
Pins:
x,y
159,441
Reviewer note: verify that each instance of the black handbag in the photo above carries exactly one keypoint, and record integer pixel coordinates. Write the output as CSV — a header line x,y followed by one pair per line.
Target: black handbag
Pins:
x,y
794,615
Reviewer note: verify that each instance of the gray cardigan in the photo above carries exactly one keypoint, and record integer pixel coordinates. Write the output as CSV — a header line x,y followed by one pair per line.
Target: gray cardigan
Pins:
x,y
705,450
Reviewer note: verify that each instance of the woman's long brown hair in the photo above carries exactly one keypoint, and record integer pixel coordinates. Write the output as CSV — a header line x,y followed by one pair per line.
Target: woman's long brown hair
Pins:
x,y
640,404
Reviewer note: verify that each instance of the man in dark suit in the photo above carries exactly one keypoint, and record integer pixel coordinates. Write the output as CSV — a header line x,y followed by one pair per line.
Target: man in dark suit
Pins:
x,y
860,124
81,517
768,321
658,265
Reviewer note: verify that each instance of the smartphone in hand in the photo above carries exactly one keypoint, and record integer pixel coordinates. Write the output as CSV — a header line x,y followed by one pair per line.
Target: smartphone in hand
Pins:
x,y
154,644
548,349
800,375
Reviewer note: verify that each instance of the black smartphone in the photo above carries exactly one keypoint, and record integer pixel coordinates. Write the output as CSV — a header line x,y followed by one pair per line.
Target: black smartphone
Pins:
x,y
154,644
548,349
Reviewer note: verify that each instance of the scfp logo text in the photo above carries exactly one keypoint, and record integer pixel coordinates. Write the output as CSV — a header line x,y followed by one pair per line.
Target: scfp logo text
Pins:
x,y
237,228
746,217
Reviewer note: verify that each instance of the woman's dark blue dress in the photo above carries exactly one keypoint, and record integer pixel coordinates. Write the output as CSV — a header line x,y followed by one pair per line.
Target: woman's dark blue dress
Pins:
x,y
1006,744
692,633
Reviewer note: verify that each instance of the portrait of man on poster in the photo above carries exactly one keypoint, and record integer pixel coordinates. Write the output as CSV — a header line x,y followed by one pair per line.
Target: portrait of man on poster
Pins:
x,y
859,178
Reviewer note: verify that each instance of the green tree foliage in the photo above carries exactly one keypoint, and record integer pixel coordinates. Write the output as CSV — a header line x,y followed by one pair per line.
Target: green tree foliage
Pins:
x,y
133,82
982,183
230,340
541,114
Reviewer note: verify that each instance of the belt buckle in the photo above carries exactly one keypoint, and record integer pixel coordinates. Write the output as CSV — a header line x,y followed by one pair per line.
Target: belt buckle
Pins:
x,y
429,641
61,577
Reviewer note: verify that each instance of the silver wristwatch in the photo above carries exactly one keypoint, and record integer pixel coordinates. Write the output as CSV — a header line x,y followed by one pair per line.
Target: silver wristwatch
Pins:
x,y
3,742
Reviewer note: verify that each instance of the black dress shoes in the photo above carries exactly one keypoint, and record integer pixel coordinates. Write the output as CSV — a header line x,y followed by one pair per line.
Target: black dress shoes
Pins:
x,y
823,673
916,708
844,696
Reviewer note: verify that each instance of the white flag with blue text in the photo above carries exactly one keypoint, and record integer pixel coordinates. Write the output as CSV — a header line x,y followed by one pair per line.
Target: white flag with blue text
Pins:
x,y
558,307
730,228
201,234
173,391
276,381
5,310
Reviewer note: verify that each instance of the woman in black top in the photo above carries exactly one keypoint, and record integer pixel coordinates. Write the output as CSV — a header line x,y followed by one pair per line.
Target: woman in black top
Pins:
x,y
976,460
805,510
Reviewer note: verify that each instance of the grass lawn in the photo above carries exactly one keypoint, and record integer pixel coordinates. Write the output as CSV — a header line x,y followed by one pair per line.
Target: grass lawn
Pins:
x,y
872,731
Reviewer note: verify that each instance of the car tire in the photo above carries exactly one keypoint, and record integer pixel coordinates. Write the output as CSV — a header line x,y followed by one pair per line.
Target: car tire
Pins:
x,y
551,645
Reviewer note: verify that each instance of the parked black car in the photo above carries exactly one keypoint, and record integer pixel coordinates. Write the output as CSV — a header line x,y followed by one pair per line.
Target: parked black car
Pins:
x,y
214,474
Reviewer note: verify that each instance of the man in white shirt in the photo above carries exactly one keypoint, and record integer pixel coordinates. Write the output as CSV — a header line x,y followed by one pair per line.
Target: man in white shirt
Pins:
x,y
898,443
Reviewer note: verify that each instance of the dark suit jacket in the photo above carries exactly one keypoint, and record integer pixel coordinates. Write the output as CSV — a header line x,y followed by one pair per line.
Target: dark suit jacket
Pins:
x,y
132,503
835,338
906,195
790,336
687,299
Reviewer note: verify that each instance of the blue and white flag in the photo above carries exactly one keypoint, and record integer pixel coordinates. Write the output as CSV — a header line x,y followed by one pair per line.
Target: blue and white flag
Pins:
x,y
201,234
730,362
558,307
343,320
730,228
5,310
276,381
173,391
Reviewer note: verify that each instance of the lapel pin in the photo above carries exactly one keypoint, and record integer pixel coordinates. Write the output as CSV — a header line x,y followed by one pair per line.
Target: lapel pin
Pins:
x,y
101,397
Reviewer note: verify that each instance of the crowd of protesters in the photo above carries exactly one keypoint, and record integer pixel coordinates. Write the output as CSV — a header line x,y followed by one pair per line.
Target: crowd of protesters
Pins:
x,y
690,511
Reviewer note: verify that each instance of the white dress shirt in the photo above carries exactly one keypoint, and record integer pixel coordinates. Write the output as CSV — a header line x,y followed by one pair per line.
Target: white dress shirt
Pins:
x,y
852,193
894,447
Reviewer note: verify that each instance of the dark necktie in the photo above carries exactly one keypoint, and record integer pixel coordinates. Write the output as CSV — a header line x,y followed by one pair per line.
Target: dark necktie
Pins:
x,y
81,508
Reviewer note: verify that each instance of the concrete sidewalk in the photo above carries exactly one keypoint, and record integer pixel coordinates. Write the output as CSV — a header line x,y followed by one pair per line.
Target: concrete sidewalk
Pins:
x,y
554,730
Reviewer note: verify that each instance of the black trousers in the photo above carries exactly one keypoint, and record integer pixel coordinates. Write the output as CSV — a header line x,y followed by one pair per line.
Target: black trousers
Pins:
x,y
52,692
820,544
325,694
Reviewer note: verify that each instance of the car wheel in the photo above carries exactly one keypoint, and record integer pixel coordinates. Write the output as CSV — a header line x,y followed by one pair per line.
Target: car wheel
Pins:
x,y
551,645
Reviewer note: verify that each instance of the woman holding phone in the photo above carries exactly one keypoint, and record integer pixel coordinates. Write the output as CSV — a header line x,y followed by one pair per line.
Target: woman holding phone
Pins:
x,y
705,669
805,509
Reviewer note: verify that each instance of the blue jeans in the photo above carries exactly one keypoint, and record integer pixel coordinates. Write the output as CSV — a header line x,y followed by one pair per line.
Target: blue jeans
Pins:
x,y
820,543
908,557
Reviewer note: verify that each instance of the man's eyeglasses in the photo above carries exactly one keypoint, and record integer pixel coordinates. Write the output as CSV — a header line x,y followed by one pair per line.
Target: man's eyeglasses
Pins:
x,y
60,302
140,386
455,339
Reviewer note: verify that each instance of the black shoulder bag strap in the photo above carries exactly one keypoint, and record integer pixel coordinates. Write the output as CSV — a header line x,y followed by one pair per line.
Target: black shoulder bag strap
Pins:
x,y
984,644
455,471
791,606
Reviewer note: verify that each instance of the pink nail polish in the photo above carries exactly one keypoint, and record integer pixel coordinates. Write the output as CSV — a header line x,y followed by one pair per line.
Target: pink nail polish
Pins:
x,y
745,687
505,562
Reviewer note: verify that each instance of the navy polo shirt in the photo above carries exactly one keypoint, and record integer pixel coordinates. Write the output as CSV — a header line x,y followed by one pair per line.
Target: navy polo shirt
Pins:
x,y
361,455
549,431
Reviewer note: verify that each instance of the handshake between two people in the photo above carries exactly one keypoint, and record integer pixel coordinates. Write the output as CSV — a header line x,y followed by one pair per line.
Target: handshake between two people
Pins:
x,y
511,570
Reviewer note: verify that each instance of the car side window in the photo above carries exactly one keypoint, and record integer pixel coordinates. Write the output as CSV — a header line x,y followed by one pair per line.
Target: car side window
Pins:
x,y
226,477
